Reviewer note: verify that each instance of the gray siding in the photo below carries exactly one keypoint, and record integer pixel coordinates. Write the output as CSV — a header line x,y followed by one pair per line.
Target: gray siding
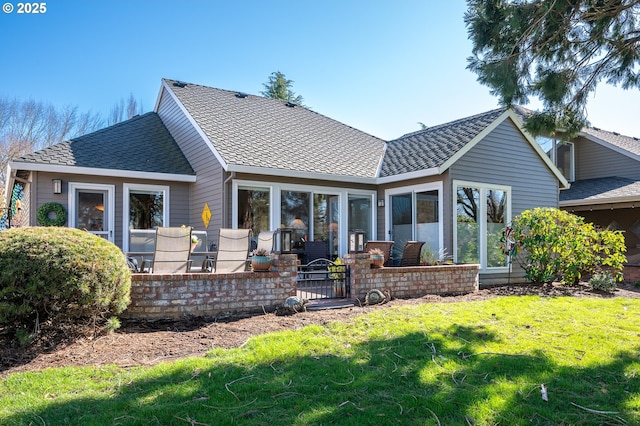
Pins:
x,y
504,157
208,188
595,161
43,193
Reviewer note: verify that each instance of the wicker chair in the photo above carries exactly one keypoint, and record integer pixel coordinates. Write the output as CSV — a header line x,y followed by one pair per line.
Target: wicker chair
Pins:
x,y
411,253
385,246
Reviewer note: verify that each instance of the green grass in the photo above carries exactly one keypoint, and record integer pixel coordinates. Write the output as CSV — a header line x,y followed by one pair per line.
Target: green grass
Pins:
x,y
480,363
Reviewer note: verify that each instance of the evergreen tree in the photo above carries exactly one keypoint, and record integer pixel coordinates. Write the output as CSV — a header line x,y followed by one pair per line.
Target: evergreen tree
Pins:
x,y
279,87
557,50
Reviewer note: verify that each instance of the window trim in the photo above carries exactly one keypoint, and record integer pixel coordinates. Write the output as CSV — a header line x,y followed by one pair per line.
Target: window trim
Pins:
x,y
275,200
111,204
483,188
126,192
413,189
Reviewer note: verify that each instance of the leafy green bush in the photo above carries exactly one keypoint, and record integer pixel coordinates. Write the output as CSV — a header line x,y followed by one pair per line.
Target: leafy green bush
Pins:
x,y
56,278
603,281
557,245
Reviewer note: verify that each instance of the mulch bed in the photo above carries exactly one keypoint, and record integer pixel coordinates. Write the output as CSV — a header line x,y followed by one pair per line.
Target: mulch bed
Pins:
x,y
147,343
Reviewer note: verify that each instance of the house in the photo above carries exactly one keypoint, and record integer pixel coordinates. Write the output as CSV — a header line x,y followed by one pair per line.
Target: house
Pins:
x,y
604,170
215,158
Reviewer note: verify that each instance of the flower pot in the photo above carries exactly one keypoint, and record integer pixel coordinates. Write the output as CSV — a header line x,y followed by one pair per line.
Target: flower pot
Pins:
x,y
377,261
261,263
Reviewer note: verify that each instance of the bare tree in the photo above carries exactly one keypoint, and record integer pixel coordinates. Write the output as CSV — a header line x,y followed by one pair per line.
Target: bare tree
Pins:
x,y
124,110
26,126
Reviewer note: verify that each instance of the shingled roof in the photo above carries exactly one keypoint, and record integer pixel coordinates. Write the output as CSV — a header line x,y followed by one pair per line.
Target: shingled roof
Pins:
x,y
432,147
605,189
141,144
629,144
257,132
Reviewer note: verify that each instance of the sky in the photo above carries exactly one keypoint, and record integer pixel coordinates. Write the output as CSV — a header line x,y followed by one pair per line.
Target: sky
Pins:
x,y
382,67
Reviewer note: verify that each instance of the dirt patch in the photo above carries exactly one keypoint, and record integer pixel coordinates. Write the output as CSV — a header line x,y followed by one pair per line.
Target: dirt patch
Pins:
x,y
148,343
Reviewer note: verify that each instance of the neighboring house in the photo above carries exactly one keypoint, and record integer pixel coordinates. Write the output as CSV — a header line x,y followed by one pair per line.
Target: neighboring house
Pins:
x,y
604,171
214,158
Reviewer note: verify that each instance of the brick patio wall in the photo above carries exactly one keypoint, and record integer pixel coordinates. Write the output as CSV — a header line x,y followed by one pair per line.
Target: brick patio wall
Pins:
x,y
410,281
161,296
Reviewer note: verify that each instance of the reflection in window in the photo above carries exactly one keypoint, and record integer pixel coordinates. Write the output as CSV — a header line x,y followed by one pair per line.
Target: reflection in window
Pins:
x,y
468,231
496,202
360,214
295,214
561,154
253,209
146,209
427,221
326,220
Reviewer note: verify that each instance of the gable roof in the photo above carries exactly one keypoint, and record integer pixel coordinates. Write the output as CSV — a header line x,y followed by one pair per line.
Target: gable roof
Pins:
x,y
140,147
263,135
626,145
601,191
435,149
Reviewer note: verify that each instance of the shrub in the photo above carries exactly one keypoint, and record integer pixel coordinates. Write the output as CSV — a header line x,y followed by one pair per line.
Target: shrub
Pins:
x,y
56,278
559,245
603,281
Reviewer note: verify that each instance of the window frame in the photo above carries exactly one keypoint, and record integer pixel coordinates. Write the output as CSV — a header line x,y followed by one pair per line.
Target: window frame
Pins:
x,y
482,219
126,193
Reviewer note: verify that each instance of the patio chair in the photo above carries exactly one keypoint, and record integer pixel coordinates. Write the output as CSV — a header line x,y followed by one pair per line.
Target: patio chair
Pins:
x,y
385,246
266,240
233,250
314,250
171,251
411,253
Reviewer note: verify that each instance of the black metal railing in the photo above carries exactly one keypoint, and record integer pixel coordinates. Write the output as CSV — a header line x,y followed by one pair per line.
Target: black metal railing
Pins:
x,y
323,279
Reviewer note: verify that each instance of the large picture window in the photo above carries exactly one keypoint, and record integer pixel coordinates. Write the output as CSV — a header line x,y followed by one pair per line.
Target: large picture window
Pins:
x,y
481,212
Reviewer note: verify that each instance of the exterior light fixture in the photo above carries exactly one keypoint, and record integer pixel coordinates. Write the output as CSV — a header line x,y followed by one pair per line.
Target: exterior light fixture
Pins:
x,y
286,234
57,186
380,202
356,241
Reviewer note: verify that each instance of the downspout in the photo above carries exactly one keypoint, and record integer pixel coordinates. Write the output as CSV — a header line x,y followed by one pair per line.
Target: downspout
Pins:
x,y
224,198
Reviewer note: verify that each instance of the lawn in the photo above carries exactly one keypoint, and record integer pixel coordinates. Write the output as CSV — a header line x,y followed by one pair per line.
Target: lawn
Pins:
x,y
476,363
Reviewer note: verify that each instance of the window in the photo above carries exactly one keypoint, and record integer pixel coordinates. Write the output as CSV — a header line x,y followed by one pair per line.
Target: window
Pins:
x,y
481,212
146,207
254,209
562,155
414,215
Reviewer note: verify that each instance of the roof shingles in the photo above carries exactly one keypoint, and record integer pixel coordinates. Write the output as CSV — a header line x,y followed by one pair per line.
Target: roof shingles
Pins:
x,y
141,144
432,147
266,133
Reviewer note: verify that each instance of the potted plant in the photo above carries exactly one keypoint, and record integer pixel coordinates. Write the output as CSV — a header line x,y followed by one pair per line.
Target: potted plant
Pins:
x,y
377,258
260,261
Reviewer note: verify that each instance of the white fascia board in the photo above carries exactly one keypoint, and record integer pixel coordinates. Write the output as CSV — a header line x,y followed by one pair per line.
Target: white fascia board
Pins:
x,y
195,125
612,200
102,172
433,171
8,184
300,174
609,145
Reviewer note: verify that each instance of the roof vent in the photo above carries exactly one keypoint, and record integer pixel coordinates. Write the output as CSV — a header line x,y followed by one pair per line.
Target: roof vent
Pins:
x,y
291,104
179,84
241,95
616,133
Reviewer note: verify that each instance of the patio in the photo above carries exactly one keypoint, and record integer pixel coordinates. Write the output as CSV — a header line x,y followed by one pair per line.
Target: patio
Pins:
x,y
160,296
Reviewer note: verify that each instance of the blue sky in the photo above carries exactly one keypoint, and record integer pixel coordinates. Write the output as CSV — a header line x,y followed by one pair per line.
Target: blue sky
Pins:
x,y
379,66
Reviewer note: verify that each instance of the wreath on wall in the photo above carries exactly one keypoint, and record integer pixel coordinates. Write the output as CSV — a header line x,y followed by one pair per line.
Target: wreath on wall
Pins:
x,y
46,209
